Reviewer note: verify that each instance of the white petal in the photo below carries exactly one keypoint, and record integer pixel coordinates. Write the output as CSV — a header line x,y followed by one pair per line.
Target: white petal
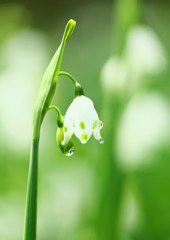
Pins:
x,y
68,132
80,118
97,125
83,134
98,137
67,137
82,107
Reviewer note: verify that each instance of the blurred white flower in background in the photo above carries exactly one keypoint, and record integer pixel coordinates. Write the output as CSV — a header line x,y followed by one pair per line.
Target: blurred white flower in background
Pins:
x,y
115,75
144,127
24,57
144,51
143,54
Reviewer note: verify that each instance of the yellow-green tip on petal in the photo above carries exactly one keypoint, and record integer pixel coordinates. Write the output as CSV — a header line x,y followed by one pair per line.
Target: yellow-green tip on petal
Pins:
x,y
67,149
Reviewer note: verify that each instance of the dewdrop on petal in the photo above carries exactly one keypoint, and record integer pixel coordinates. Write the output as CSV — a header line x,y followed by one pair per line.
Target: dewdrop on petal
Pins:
x,y
82,119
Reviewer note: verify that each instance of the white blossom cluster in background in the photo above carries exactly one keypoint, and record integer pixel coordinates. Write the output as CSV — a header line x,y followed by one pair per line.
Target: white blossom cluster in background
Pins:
x,y
144,124
143,54
143,128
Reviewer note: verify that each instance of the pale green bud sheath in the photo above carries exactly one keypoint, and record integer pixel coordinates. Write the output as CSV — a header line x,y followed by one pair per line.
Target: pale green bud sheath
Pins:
x,y
45,96
49,81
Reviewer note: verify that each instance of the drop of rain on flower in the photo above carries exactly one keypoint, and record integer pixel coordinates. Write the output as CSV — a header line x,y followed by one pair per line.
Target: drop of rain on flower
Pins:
x,y
70,152
101,141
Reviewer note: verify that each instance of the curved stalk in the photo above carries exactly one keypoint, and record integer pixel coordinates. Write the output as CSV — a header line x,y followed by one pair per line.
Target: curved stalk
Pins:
x,y
78,88
60,117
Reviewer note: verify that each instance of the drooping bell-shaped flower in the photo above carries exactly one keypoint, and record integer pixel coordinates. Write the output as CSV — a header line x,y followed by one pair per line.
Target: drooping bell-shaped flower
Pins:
x,y
82,119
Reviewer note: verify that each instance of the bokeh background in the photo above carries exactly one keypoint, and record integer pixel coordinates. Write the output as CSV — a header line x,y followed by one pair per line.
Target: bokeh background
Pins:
x,y
120,53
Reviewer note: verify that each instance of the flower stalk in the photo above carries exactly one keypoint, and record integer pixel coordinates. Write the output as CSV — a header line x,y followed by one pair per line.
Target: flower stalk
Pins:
x,y
45,96
81,119
78,88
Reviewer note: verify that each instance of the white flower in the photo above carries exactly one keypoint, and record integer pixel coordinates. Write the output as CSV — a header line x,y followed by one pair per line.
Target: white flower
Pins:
x,y
143,128
82,119
144,51
115,75
143,54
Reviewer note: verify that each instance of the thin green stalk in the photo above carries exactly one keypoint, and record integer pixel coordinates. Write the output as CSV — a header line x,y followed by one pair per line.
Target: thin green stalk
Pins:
x,y
78,89
110,178
31,199
67,75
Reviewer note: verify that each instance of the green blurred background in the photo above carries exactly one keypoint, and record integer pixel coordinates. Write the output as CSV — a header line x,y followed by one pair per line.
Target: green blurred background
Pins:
x,y
120,53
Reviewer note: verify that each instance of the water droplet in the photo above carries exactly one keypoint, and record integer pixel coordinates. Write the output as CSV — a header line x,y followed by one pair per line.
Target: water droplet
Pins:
x,y
101,140
70,152
100,124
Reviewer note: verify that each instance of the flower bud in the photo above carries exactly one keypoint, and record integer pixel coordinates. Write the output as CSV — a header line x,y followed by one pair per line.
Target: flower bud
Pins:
x,y
67,149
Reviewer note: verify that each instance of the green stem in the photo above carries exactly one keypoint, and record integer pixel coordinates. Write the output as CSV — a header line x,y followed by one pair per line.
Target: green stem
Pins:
x,y
31,198
110,178
60,117
55,108
45,96
67,75
78,88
